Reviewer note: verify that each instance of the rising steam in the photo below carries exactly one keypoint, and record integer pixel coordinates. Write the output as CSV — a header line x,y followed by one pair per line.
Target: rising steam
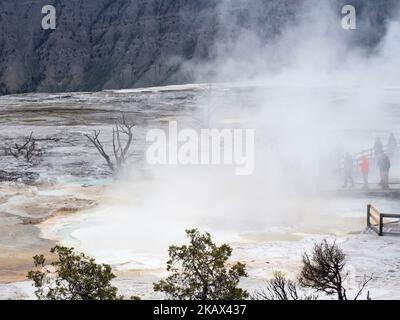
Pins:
x,y
311,91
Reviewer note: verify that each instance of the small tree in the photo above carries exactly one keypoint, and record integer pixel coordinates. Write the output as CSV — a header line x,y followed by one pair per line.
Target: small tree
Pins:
x,y
120,146
72,276
323,271
199,271
28,149
280,288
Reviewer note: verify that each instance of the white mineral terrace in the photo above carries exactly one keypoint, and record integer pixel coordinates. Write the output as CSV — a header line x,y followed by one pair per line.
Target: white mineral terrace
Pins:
x,y
269,218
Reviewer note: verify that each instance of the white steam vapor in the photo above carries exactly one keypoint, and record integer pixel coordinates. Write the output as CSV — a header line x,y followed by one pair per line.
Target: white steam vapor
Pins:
x,y
313,92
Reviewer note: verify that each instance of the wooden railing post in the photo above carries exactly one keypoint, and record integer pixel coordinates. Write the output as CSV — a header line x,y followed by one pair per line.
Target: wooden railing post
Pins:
x,y
376,220
369,216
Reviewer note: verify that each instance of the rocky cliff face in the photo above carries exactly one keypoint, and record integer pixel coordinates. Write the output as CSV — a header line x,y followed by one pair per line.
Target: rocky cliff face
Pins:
x,y
101,43
109,44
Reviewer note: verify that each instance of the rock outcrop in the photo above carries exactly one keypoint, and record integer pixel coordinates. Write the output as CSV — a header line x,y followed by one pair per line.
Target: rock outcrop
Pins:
x,y
115,44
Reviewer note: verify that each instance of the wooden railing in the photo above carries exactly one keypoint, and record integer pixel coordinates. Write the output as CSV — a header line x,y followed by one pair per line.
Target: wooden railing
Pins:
x,y
376,219
371,155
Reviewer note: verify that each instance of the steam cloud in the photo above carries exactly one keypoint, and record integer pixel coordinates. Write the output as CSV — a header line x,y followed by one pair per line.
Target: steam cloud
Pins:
x,y
312,88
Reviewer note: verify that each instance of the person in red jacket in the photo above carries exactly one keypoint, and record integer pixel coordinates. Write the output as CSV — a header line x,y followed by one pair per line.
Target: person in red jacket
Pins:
x,y
365,170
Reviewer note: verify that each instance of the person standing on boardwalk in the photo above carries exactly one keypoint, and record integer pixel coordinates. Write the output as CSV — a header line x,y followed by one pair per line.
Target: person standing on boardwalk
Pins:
x,y
365,170
378,147
384,166
392,145
348,171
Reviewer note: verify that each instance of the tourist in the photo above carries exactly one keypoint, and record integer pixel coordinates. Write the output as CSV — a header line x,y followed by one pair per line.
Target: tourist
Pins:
x,y
392,145
384,166
378,146
365,170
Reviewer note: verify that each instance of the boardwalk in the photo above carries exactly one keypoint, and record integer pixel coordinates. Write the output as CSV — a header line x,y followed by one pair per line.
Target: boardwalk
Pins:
x,y
372,192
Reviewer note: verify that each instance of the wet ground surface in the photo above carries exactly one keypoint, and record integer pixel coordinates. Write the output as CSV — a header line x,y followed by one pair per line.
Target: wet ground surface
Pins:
x,y
22,209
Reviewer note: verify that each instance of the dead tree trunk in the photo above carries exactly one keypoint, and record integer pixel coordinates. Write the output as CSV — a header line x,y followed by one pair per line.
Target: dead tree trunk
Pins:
x,y
120,146
96,142
121,151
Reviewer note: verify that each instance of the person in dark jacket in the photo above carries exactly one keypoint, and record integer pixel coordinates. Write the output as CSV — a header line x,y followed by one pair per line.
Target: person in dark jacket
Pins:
x,y
378,146
392,145
384,166
348,171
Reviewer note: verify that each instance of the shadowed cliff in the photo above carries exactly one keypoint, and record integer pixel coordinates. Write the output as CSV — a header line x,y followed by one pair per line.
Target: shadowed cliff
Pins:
x,y
114,44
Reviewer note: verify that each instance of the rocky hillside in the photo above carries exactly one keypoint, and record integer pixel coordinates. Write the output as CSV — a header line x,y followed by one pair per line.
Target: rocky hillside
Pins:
x,y
104,44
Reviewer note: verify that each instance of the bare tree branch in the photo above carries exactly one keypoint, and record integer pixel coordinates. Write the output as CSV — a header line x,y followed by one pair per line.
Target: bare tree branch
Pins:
x,y
96,142
280,288
28,150
120,149
323,271
363,285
